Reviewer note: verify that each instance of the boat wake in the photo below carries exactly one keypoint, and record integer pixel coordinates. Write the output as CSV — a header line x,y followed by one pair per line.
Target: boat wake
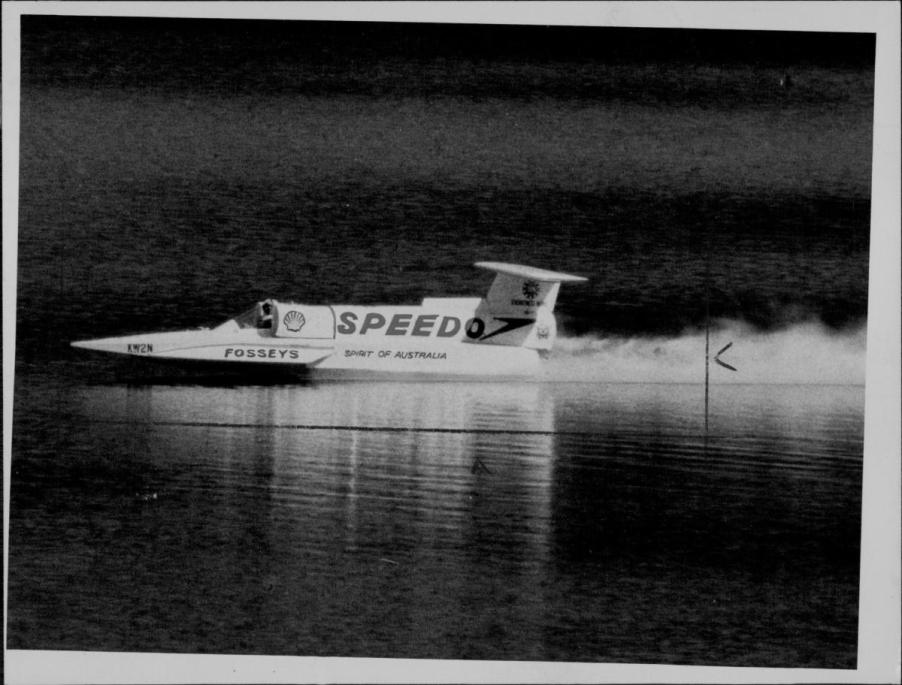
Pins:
x,y
804,353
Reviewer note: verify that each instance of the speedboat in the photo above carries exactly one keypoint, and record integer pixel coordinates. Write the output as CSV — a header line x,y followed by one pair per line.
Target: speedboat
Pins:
x,y
509,331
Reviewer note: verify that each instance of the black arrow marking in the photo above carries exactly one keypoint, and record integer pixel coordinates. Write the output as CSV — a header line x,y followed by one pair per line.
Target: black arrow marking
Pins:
x,y
717,357
509,325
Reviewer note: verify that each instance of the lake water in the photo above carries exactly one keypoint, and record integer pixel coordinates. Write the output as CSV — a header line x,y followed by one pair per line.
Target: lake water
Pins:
x,y
584,516
565,521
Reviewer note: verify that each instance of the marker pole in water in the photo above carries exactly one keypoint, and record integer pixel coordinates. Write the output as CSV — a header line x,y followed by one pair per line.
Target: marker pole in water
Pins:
x,y
708,332
707,358
707,322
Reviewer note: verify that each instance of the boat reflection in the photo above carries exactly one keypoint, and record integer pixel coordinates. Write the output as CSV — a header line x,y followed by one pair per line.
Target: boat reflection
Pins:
x,y
432,446
463,520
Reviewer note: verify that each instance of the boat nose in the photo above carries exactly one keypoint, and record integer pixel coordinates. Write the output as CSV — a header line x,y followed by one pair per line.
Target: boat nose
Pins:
x,y
100,345
130,345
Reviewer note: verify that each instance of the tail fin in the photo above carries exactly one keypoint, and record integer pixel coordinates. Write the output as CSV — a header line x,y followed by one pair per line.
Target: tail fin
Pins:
x,y
521,290
520,303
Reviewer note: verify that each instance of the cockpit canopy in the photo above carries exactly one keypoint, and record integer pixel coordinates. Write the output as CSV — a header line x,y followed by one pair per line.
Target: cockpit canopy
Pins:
x,y
258,316
287,320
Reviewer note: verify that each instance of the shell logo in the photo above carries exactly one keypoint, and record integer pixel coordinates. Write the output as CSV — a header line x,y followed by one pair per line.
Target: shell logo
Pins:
x,y
294,321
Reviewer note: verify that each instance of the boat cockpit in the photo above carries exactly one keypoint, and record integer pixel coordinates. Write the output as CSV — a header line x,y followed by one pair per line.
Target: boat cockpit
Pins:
x,y
285,320
258,316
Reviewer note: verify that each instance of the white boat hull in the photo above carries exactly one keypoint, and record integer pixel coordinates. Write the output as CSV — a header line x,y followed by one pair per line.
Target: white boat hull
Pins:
x,y
454,358
505,333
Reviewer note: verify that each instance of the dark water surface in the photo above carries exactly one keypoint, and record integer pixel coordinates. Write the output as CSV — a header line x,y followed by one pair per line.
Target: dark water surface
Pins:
x,y
569,521
584,520
187,187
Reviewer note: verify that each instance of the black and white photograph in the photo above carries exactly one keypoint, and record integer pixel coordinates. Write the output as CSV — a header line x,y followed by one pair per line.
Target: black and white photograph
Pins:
x,y
448,341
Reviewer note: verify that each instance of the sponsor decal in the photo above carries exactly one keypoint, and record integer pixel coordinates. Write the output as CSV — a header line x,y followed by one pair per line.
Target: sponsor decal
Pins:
x,y
383,354
371,321
347,323
259,353
509,325
421,355
530,289
294,321
423,325
140,348
542,332
449,327
475,328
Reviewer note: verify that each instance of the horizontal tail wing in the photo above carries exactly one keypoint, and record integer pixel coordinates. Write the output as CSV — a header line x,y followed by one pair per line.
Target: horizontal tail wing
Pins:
x,y
519,290
529,272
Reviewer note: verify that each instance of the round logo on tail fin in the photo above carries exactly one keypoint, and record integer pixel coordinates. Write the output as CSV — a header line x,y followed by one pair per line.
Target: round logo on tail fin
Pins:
x,y
530,289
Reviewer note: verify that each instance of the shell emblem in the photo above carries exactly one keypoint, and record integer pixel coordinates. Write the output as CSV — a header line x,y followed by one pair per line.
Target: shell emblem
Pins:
x,y
530,289
294,321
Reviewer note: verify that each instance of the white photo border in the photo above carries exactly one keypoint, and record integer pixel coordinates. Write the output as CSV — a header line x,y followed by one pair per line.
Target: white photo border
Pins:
x,y
879,600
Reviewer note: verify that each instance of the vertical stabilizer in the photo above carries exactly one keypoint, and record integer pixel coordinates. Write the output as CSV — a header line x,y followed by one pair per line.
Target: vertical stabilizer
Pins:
x,y
520,303
521,290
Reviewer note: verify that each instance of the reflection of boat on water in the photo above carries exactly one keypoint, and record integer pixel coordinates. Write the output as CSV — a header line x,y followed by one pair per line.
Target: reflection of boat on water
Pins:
x,y
342,509
371,408
506,332
334,492
347,455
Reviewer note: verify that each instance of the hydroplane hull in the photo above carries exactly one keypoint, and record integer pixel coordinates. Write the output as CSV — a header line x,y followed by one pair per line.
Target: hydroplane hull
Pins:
x,y
505,333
